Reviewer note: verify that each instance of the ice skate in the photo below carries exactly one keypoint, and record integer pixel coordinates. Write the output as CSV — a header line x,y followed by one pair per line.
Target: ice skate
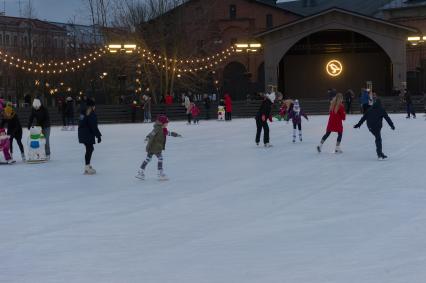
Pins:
x,y
23,157
88,170
294,139
257,144
162,176
10,161
300,138
64,128
382,157
140,175
268,145
338,150
319,147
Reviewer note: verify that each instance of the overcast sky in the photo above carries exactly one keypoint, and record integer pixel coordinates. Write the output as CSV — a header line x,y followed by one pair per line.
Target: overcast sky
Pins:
x,y
53,10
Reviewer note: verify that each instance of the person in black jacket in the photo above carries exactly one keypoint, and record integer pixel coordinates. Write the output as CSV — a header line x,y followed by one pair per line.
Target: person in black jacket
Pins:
x,y
41,115
374,117
14,129
69,113
207,103
409,104
262,117
87,132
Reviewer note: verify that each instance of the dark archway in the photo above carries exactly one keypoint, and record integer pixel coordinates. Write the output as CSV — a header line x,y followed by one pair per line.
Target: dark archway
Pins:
x,y
235,81
302,71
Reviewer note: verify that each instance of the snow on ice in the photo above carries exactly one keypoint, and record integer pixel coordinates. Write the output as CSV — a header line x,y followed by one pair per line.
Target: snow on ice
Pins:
x,y
231,212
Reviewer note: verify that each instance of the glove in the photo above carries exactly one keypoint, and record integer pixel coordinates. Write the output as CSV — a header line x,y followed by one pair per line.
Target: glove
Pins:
x,y
263,118
356,126
99,139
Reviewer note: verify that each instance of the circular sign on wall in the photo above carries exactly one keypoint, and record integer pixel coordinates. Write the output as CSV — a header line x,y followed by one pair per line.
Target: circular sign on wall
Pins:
x,y
334,68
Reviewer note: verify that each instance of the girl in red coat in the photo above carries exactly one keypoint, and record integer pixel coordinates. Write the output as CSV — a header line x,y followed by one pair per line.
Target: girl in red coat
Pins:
x,y
335,122
228,107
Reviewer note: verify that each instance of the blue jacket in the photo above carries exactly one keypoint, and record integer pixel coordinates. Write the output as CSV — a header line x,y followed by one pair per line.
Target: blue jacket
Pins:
x,y
88,129
365,98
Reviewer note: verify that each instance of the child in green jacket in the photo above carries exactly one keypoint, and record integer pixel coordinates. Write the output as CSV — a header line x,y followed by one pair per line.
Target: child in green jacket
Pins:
x,y
156,144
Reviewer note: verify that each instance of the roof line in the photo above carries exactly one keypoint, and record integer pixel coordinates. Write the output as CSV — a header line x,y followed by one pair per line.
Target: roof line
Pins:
x,y
326,11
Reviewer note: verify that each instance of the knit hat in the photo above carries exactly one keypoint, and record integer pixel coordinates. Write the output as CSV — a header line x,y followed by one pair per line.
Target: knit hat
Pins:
x,y
163,119
8,111
36,103
296,106
90,102
271,96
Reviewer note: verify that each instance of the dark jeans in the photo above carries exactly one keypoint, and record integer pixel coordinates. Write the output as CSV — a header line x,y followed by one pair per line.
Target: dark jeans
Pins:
x,y
262,125
89,151
348,107
19,141
365,108
189,117
299,125
378,135
228,116
327,134
410,110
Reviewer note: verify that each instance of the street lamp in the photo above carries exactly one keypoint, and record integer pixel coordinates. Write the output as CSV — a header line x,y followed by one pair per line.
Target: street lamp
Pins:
x,y
122,48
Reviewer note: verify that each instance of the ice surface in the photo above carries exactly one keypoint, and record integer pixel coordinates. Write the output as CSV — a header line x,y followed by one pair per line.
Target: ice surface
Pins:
x,y
231,212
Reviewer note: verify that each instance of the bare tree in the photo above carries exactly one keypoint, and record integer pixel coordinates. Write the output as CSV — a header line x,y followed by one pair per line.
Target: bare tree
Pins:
x,y
29,10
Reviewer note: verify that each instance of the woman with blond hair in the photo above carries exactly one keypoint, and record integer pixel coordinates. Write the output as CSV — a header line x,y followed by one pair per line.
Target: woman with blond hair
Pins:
x,y
335,122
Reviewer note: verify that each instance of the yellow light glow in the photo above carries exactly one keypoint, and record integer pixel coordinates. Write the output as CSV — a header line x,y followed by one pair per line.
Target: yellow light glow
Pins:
x,y
255,45
334,68
413,38
114,46
242,45
130,46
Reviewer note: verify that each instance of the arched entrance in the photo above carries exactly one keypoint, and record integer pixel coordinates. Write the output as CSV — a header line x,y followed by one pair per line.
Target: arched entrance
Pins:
x,y
390,37
338,59
235,81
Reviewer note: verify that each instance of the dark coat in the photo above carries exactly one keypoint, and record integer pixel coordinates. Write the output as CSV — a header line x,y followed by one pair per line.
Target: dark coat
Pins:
x,y
374,117
207,103
69,108
88,129
41,116
265,109
296,117
14,128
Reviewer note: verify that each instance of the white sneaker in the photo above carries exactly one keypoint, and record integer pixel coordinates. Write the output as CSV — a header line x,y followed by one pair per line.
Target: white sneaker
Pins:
x,y
140,175
88,170
162,176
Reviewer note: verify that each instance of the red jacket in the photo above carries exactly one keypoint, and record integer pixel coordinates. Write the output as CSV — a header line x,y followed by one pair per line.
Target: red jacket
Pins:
x,y
195,111
335,121
228,103
169,99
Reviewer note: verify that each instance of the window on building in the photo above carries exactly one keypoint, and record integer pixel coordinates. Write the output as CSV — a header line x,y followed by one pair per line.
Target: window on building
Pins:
x,y
62,43
25,41
269,21
55,43
7,40
15,41
232,12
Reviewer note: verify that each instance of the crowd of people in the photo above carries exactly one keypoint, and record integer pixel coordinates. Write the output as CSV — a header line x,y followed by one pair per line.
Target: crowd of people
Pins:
x,y
290,110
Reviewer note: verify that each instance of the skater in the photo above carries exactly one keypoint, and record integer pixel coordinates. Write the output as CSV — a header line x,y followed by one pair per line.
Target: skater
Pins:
x,y
262,117
409,104
147,108
366,100
335,122
41,115
187,104
5,146
296,114
14,129
228,107
207,103
349,96
69,113
156,144
195,113
87,132
374,118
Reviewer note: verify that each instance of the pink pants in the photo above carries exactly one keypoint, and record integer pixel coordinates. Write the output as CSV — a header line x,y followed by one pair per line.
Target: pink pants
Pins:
x,y
5,145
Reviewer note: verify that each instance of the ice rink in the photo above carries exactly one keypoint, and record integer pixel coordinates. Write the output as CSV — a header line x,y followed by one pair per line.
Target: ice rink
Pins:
x,y
231,212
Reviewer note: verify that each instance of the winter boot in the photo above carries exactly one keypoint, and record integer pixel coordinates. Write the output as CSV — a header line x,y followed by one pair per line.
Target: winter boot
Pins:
x,y
338,149
162,176
141,174
88,170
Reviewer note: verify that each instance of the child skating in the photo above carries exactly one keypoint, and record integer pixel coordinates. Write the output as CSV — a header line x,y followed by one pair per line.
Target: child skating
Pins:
x,y
296,114
374,117
335,122
5,147
195,112
156,144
